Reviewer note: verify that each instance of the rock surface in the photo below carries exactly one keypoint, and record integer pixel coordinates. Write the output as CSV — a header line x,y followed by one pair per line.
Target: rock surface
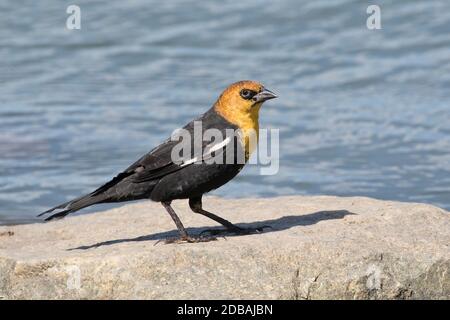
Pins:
x,y
319,247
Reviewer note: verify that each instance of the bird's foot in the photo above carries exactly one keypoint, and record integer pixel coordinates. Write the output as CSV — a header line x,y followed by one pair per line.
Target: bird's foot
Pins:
x,y
187,239
235,231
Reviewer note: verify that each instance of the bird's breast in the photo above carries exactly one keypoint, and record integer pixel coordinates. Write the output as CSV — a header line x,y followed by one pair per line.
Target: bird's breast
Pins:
x,y
247,124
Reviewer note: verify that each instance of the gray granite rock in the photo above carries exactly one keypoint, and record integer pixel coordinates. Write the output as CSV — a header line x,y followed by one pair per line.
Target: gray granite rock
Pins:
x,y
319,248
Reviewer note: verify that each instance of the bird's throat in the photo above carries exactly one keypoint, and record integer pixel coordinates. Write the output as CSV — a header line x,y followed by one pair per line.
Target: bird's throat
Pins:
x,y
247,122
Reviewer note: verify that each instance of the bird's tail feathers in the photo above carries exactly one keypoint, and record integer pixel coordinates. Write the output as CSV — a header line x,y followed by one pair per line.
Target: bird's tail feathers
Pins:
x,y
73,205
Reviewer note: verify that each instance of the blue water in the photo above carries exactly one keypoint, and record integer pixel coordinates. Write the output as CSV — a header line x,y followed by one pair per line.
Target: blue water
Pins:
x,y
361,112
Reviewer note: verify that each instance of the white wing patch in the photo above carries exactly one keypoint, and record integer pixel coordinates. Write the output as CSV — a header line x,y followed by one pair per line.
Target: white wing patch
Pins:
x,y
217,146
208,152
188,162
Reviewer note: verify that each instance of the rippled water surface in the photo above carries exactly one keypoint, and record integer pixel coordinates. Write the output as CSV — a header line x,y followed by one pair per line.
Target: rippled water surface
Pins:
x,y
361,112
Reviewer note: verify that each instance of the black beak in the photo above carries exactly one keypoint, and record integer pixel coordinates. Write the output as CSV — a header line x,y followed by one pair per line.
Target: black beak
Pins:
x,y
264,95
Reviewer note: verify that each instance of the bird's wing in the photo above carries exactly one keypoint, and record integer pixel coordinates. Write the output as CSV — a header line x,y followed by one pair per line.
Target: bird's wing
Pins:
x,y
158,162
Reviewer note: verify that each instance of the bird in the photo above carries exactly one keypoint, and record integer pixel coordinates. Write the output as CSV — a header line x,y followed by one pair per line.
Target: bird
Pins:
x,y
160,177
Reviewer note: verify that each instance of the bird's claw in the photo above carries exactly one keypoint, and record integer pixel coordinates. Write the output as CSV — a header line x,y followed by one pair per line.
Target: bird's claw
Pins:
x,y
187,239
236,231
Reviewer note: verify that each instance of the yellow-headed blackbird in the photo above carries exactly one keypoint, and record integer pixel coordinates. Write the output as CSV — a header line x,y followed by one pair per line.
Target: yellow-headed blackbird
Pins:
x,y
158,177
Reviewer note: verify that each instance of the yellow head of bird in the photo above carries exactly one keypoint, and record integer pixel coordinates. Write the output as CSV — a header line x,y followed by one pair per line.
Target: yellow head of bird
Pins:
x,y
241,101
239,104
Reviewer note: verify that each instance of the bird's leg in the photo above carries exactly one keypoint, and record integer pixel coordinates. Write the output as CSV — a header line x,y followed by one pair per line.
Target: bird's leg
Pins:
x,y
173,215
196,205
184,237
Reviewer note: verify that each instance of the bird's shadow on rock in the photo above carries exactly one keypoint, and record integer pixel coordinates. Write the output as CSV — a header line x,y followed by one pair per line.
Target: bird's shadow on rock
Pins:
x,y
276,225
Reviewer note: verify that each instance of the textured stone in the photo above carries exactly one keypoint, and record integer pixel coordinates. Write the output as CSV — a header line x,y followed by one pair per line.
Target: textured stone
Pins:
x,y
320,247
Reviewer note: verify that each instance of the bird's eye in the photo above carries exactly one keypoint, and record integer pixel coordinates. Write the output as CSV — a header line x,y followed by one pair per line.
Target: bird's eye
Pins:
x,y
247,94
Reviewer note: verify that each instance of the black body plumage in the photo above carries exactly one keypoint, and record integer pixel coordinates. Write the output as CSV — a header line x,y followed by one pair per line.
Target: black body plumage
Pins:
x,y
155,176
